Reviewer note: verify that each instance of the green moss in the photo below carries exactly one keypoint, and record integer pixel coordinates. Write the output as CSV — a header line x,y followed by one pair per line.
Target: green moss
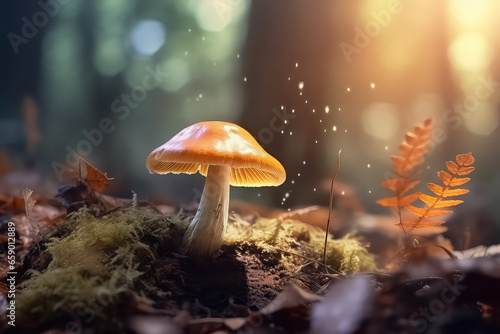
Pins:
x,y
101,263
280,239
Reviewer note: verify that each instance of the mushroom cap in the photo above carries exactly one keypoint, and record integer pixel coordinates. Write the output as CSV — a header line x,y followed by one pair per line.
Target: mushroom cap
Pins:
x,y
217,143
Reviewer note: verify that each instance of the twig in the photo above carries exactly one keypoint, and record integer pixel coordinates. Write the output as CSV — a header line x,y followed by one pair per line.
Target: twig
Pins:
x,y
312,260
330,206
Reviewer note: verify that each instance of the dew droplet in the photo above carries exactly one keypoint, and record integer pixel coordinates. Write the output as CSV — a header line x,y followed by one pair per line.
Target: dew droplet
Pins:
x,y
301,85
327,109
348,89
372,85
334,128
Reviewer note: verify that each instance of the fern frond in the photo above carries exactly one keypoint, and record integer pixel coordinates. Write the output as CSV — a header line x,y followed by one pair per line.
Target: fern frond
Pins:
x,y
434,206
411,153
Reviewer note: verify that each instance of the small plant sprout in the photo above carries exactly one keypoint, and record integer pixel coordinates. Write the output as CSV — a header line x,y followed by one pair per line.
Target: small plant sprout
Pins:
x,y
227,155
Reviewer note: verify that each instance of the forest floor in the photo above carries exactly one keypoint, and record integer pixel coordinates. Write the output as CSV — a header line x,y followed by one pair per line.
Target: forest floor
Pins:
x,y
90,263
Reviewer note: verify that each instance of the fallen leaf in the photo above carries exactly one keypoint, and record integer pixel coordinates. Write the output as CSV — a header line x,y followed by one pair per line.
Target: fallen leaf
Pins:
x,y
346,305
13,204
96,179
291,297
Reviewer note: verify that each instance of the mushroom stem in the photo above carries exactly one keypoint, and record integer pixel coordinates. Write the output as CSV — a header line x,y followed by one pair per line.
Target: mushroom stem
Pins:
x,y
205,234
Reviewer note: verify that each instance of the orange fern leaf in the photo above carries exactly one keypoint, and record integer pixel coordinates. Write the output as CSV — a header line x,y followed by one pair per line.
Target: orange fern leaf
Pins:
x,y
398,201
427,212
421,224
411,155
434,206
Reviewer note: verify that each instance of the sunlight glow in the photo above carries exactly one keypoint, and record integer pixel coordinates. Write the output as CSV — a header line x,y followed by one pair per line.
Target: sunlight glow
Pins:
x,y
469,12
470,52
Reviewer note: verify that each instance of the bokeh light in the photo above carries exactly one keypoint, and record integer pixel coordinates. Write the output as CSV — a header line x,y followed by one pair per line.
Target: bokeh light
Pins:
x,y
380,120
178,74
147,37
484,120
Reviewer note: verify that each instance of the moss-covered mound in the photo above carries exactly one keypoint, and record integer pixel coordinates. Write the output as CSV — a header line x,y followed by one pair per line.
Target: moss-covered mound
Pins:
x,y
103,267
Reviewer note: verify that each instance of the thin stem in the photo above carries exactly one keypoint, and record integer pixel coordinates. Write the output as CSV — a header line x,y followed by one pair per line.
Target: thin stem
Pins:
x,y
330,206
312,260
440,197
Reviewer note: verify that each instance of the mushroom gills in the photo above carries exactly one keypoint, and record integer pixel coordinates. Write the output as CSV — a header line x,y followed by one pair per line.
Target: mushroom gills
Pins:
x,y
205,234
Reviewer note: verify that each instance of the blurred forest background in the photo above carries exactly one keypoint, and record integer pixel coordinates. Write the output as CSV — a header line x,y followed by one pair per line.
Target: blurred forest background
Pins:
x,y
306,78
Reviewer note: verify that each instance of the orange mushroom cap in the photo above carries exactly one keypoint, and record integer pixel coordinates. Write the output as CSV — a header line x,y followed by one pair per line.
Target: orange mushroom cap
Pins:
x,y
217,143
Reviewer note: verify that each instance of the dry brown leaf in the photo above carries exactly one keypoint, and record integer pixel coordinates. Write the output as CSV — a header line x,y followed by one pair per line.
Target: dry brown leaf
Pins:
x,y
13,204
96,179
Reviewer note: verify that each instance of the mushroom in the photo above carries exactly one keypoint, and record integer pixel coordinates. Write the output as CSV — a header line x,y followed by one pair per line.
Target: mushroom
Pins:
x,y
227,155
